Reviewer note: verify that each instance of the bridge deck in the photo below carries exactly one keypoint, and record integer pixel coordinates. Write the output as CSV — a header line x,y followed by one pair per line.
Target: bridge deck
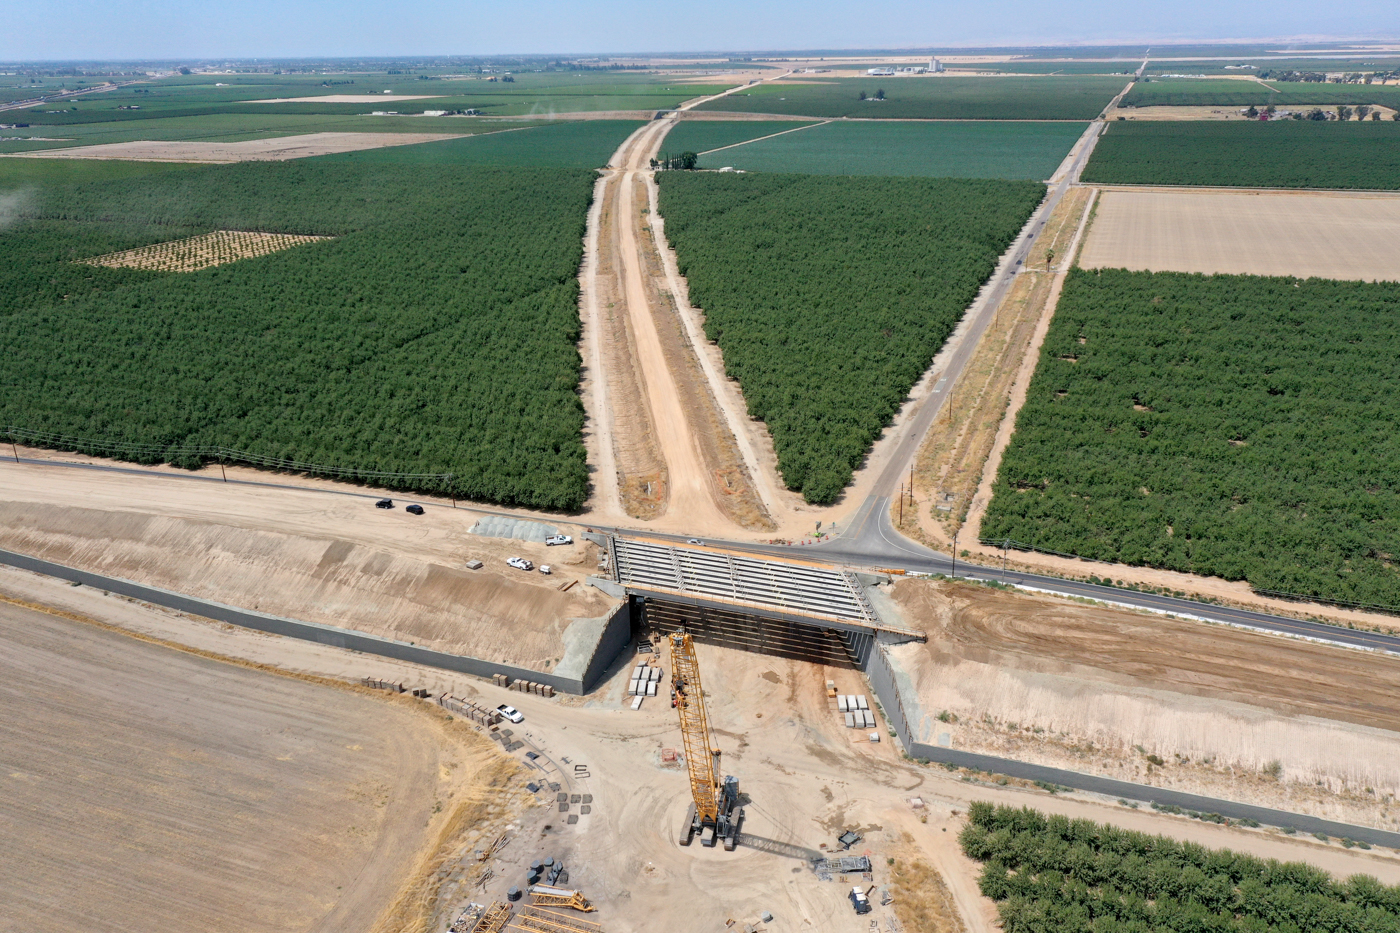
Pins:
x,y
819,593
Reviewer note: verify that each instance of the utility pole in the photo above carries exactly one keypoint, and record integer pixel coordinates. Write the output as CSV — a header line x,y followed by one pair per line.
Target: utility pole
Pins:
x,y
223,471
955,555
901,505
1004,545
15,450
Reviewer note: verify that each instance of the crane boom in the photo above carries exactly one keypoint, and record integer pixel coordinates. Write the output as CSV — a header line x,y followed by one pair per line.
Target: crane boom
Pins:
x,y
701,755
715,813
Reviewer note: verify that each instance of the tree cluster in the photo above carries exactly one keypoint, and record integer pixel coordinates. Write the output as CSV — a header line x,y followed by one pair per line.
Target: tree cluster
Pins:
x,y
685,161
1057,875
829,296
1232,426
435,334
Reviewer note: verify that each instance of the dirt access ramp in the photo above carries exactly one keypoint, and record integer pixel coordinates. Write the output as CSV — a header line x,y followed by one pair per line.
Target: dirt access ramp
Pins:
x,y
328,559
1328,235
278,149
164,791
1048,680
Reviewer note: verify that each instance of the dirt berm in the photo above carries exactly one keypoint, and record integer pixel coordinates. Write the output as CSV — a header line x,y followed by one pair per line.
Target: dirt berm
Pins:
x,y
1142,697
340,563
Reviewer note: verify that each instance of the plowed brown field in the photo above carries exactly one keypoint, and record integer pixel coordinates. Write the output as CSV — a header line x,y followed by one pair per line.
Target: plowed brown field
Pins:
x,y
147,789
1334,236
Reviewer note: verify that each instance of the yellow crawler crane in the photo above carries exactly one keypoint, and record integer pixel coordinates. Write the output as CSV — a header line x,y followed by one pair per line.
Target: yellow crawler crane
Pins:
x,y
714,812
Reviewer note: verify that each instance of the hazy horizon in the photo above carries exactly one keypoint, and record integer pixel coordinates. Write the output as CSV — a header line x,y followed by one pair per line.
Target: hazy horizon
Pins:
x,y
168,30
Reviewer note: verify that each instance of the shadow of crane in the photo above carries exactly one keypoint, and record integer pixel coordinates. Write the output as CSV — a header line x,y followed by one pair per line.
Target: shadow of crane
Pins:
x,y
785,849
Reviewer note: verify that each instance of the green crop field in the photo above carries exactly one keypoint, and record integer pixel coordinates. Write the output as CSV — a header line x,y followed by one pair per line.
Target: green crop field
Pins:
x,y
234,127
1232,426
1224,92
577,144
1271,66
1052,873
40,173
830,296
1282,154
529,93
1124,67
943,149
704,135
941,97
435,334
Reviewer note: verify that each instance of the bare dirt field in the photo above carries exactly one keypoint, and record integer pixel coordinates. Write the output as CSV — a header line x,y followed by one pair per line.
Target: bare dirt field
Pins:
x,y
347,99
1337,236
277,149
151,789
200,252
1098,689
807,777
327,559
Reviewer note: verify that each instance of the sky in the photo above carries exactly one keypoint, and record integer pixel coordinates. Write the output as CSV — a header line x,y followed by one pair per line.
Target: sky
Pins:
x,y
203,29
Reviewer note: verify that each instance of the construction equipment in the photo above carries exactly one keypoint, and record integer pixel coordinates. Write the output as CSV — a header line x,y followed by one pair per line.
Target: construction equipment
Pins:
x,y
494,920
543,895
714,812
846,865
536,920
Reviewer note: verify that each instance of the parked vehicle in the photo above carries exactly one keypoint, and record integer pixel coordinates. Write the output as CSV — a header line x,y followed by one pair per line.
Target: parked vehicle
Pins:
x,y
414,510
513,714
520,563
384,504
558,539
546,569
693,541
859,901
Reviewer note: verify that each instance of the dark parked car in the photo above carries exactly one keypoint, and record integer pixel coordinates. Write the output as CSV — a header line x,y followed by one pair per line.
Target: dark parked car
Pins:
x,y
384,504
414,510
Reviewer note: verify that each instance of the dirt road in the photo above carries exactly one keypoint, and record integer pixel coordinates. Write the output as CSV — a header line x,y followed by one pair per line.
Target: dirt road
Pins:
x,y
673,452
